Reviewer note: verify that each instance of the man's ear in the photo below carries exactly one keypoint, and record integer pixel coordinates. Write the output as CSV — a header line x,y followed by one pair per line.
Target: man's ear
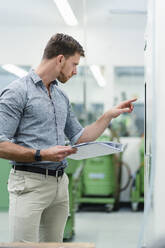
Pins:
x,y
60,59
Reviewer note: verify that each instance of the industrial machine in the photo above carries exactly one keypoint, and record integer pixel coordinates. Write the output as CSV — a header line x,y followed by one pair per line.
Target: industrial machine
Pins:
x,y
99,181
4,174
137,189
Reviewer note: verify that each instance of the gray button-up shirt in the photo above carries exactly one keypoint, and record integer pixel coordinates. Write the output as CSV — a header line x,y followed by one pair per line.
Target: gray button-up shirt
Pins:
x,y
30,118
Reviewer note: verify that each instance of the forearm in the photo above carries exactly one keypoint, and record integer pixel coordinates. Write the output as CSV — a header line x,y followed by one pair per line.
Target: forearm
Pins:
x,y
93,131
11,151
19,153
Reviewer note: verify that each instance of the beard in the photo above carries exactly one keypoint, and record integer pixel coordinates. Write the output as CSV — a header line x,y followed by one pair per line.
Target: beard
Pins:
x,y
62,78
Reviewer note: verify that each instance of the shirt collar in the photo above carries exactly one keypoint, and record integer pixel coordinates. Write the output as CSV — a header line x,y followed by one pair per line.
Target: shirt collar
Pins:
x,y
55,82
36,79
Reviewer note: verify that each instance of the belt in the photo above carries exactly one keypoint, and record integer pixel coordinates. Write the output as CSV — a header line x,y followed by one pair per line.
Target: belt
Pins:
x,y
55,173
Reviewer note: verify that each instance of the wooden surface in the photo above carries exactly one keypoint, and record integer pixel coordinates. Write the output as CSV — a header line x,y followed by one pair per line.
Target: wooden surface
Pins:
x,y
48,245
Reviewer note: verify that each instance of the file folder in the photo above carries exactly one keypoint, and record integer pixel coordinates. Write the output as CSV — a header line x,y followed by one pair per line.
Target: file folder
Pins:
x,y
95,149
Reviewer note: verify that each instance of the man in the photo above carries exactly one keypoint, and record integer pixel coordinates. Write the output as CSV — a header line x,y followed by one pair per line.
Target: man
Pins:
x,y
35,117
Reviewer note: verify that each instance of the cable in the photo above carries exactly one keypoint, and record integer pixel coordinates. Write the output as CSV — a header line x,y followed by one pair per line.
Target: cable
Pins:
x,y
129,176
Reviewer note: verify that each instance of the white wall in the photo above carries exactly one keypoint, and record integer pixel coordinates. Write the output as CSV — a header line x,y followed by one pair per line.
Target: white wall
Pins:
x,y
159,134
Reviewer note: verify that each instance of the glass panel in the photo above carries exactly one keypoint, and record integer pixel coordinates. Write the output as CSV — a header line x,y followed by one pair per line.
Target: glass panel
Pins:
x,y
129,83
8,77
112,36
75,90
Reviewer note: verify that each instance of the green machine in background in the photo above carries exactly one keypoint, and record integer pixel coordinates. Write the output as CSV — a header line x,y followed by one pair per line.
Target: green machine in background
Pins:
x,y
137,189
4,174
99,180
74,172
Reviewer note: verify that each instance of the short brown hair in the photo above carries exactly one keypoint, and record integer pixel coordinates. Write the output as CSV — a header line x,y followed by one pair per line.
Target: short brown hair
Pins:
x,y
62,44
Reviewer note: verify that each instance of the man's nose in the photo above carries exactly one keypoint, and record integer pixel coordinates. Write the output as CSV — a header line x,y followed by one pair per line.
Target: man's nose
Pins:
x,y
74,72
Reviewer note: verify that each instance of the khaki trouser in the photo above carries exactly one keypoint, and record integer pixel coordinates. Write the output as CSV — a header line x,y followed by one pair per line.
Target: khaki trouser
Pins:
x,y
39,207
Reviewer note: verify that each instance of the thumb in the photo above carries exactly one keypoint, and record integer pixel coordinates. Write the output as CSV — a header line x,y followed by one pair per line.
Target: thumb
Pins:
x,y
125,110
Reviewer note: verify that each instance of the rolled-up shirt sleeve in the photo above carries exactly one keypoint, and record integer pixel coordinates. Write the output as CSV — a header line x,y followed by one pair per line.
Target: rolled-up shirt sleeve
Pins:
x,y
11,109
73,128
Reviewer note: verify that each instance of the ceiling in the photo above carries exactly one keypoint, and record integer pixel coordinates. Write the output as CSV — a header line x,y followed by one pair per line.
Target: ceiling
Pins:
x,y
44,13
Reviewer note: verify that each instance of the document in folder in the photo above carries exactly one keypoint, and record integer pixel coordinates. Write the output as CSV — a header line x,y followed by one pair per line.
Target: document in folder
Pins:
x,y
95,149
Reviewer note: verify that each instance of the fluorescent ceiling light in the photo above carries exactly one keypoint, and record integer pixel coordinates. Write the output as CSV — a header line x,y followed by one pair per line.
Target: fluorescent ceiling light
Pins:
x,y
66,12
15,70
127,12
97,75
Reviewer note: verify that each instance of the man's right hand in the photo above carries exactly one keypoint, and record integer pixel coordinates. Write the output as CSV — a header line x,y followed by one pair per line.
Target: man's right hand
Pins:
x,y
57,153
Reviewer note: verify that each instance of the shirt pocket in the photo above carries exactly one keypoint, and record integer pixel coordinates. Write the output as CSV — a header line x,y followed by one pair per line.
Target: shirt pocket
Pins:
x,y
42,108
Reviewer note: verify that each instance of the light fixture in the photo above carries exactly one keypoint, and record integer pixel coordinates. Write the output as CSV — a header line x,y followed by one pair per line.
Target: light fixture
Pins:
x,y
66,12
97,75
15,70
128,12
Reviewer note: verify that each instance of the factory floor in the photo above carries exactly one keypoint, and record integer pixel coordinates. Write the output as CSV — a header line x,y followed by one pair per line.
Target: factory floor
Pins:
x,y
107,230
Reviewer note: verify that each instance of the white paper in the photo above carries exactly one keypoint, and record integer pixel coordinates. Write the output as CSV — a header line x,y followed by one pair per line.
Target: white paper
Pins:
x,y
95,149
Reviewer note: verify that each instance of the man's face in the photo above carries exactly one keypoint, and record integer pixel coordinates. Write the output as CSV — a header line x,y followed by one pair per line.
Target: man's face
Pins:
x,y
69,68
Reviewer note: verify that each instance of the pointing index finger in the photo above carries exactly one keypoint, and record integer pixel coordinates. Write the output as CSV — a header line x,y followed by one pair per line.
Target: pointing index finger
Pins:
x,y
128,101
132,100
